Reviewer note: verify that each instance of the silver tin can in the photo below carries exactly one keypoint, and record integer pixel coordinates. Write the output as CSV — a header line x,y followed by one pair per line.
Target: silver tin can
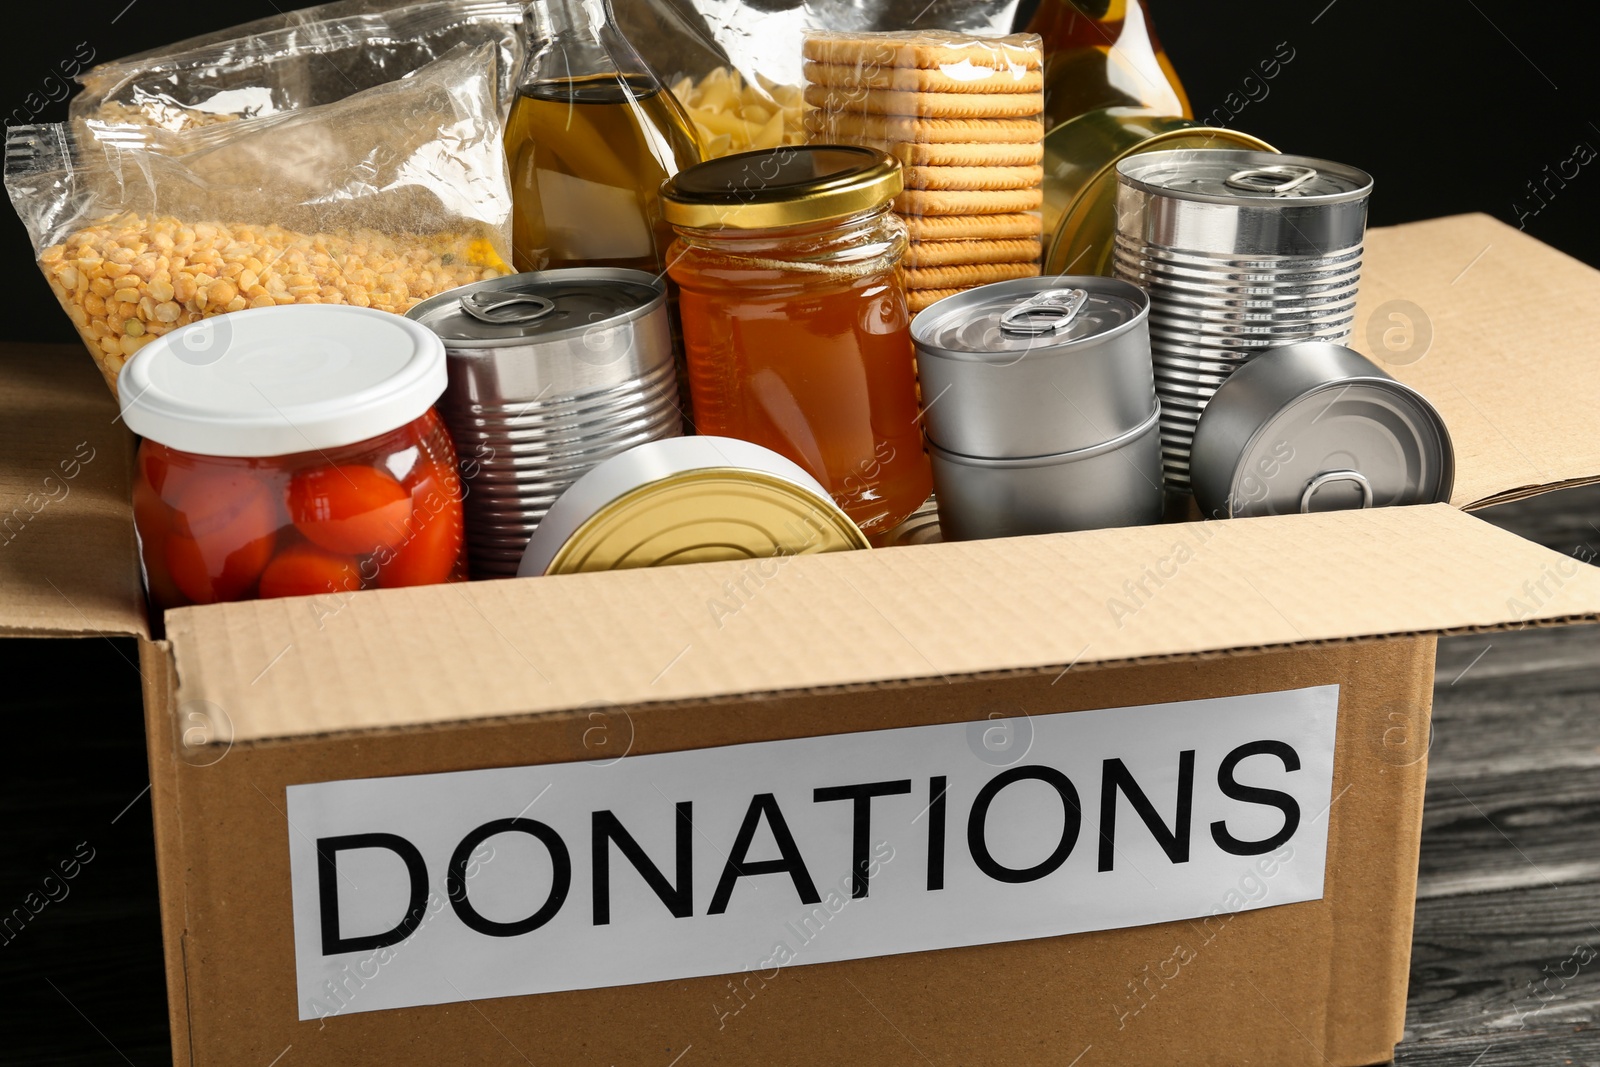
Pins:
x,y
1115,483
1240,252
1034,366
1317,427
550,373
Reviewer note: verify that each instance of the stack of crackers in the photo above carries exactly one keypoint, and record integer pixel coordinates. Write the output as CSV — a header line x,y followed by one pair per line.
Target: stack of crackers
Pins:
x,y
963,116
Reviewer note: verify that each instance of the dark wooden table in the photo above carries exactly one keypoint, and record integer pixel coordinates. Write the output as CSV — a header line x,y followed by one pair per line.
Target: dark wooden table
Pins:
x,y
1505,965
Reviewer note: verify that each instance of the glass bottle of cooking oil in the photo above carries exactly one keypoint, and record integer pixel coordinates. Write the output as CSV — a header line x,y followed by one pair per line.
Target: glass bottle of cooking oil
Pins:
x,y
1104,53
592,135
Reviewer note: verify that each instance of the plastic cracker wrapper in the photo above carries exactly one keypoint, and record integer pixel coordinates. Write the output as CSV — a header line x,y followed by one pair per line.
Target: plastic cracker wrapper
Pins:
x,y
962,113
736,66
305,59
382,199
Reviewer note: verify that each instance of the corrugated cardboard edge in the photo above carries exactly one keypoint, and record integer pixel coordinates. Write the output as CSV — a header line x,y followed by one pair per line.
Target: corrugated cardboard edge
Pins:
x,y
1376,948
1527,492
158,672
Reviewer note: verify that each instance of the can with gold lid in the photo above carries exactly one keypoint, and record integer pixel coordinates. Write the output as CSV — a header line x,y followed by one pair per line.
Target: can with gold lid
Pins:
x,y
794,318
688,500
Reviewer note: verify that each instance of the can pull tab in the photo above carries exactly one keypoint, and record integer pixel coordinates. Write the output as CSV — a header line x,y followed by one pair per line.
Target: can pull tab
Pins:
x,y
1330,477
1046,312
1280,179
506,308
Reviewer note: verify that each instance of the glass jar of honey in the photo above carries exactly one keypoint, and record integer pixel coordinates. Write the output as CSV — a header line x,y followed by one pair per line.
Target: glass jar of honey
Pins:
x,y
292,451
794,318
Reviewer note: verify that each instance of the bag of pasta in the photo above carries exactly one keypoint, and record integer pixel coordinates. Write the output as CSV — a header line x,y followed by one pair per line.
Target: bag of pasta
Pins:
x,y
382,199
303,59
736,65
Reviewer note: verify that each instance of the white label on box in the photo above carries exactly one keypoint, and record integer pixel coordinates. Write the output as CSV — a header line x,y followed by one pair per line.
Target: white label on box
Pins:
x,y
438,888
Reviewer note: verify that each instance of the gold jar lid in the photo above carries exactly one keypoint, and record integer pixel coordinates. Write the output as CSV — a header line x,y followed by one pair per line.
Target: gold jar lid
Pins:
x,y
775,187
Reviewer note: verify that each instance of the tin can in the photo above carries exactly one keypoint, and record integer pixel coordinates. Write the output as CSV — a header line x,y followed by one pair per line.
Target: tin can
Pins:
x,y
922,528
550,373
1080,178
1240,252
1115,483
1034,366
1317,427
688,500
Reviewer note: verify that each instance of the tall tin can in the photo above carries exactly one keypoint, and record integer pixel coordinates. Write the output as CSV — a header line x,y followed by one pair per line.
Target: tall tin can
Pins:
x,y
1240,252
551,373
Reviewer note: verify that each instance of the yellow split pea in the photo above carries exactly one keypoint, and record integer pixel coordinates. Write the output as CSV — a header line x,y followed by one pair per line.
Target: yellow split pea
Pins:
x,y
131,278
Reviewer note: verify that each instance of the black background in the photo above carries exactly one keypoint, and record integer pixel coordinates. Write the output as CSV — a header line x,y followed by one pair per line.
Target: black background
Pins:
x,y
1452,105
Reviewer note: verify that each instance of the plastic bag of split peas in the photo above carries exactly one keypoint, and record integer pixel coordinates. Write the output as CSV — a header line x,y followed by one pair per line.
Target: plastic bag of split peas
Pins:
x,y
736,66
296,60
382,199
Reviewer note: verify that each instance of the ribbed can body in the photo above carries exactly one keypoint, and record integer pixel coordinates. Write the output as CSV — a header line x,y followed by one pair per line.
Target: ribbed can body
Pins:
x,y
1230,276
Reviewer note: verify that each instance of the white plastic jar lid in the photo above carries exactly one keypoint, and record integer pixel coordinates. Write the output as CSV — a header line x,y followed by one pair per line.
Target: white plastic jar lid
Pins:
x,y
274,381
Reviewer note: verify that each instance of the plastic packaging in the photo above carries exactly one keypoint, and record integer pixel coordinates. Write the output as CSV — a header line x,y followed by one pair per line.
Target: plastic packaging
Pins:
x,y
961,114
274,65
380,200
736,66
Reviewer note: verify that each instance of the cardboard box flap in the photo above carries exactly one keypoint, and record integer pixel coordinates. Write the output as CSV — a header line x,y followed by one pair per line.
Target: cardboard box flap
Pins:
x,y
406,657
68,558
1502,333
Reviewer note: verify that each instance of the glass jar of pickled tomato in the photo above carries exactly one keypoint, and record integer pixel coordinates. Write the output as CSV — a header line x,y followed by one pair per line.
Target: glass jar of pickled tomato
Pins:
x,y
292,451
794,317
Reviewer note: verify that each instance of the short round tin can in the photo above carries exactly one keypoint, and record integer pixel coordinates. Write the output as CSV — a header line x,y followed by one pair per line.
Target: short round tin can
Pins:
x,y
688,500
550,373
1317,427
1240,252
1034,366
1115,483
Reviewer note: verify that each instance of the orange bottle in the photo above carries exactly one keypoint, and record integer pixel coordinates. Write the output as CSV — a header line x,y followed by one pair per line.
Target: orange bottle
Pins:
x,y
794,318
1103,53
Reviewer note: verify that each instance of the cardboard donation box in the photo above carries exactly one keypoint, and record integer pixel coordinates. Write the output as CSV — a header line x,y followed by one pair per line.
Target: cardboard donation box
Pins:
x,y
1133,796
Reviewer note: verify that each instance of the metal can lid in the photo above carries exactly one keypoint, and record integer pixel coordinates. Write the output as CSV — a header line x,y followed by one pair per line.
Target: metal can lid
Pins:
x,y
1227,176
1317,427
1026,314
280,380
687,500
775,187
539,305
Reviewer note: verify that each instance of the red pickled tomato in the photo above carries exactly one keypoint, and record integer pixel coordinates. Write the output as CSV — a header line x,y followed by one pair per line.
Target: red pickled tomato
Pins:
x,y
225,506
305,570
224,526
208,574
350,509
430,554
